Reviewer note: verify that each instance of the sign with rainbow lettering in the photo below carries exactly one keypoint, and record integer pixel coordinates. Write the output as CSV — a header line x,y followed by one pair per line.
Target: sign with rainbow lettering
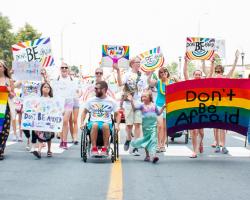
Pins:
x,y
208,103
151,60
200,48
35,50
115,54
43,114
27,71
3,103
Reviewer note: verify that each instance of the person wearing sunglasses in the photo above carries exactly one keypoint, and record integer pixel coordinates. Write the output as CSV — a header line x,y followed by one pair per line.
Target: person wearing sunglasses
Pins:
x,y
135,83
100,108
62,85
220,134
160,84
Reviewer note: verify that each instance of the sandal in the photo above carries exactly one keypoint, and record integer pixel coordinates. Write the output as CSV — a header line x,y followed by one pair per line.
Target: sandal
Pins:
x,y
147,159
49,154
37,154
194,155
155,159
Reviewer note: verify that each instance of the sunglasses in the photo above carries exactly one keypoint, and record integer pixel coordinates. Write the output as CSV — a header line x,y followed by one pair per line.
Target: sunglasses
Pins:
x,y
217,72
96,88
64,67
98,73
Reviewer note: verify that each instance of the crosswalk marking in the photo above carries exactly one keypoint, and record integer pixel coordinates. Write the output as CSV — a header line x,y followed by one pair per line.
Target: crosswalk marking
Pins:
x,y
238,151
172,150
177,151
55,148
8,143
239,138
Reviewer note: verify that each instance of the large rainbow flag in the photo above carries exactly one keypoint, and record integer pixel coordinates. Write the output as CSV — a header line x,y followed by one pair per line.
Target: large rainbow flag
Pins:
x,y
208,103
3,103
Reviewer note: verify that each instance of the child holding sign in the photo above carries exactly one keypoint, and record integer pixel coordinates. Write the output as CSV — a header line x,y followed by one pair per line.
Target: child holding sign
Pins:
x,y
46,92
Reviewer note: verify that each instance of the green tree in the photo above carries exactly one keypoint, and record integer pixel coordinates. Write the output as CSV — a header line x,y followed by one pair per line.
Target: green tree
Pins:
x,y
27,33
6,39
173,68
74,69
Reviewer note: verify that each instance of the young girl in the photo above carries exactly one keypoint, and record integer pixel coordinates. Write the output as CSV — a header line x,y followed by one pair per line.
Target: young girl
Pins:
x,y
46,92
149,125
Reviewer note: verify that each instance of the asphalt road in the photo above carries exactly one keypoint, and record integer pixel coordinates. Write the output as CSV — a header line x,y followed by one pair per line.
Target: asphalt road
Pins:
x,y
65,176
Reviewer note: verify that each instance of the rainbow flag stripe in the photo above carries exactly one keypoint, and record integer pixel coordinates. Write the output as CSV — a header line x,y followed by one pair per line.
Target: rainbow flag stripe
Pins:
x,y
3,103
208,103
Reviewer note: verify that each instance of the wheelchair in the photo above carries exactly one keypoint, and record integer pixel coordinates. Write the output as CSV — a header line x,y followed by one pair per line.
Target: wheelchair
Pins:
x,y
113,148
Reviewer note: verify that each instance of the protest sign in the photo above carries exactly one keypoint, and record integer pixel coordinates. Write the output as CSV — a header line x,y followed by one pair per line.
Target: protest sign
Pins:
x,y
30,88
151,60
27,71
42,114
200,48
35,50
208,103
115,54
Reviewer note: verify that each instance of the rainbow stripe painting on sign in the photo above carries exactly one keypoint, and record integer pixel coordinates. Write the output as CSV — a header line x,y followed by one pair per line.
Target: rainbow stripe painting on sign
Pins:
x,y
200,48
151,60
3,103
208,103
35,50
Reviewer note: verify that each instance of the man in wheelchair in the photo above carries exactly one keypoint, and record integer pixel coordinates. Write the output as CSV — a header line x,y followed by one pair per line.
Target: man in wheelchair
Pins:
x,y
100,108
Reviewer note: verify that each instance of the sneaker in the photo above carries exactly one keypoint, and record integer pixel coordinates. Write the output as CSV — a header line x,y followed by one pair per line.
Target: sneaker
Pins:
x,y
65,145
155,159
76,142
104,151
61,145
126,145
27,148
20,139
163,149
14,138
217,149
94,151
224,150
147,159
37,154
135,152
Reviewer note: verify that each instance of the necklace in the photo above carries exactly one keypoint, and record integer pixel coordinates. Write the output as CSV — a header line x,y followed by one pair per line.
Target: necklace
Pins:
x,y
161,88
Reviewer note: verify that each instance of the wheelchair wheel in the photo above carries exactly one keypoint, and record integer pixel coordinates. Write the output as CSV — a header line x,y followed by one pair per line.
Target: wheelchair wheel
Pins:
x,y
84,145
186,137
117,145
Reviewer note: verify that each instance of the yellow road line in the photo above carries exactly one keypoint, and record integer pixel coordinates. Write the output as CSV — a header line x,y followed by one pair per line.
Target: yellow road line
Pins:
x,y
115,191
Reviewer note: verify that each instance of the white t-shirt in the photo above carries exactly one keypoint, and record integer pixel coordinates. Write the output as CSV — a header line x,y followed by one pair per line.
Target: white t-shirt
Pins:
x,y
65,88
101,109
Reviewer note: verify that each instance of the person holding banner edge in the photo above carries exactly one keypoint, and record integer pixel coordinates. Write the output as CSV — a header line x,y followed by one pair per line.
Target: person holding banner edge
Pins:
x,y
220,134
197,74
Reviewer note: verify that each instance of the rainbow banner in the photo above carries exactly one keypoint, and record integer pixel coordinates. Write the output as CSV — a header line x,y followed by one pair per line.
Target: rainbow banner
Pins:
x,y
200,48
115,54
151,60
35,50
208,103
3,104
